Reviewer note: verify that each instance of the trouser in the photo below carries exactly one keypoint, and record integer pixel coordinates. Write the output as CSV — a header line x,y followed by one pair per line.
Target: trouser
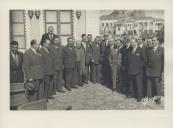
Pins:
x,y
153,87
124,81
114,76
144,81
59,80
106,73
48,84
87,66
78,75
136,87
95,72
69,75
38,92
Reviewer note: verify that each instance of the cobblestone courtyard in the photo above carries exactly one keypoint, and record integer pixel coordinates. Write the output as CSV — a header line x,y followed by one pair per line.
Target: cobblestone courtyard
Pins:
x,y
97,97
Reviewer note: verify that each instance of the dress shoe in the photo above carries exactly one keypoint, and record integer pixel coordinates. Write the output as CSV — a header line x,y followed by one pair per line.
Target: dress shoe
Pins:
x,y
69,107
69,89
158,101
128,96
61,91
75,87
139,100
51,97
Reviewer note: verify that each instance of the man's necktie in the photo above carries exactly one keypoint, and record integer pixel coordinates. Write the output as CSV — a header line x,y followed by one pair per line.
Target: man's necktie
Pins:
x,y
16,59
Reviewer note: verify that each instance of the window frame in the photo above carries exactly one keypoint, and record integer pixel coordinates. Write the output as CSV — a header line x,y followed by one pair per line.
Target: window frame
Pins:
x,y
12,35
58,22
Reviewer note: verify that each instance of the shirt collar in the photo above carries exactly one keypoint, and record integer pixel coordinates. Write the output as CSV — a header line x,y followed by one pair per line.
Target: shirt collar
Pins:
x,y
46,49
33,50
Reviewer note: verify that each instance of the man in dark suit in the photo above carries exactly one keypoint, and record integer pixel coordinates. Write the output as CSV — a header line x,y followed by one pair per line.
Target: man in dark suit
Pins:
x,y
95,60
87,47
89,42
33,69
48,67
123,70
69,61
16,60
57,53
50,35
135,61
154,70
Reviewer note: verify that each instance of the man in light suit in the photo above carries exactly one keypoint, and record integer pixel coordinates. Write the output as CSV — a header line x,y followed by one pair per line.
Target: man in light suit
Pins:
x,y
16,60
87,49
154,70
33,69
49,70
135,61
115,62
50,35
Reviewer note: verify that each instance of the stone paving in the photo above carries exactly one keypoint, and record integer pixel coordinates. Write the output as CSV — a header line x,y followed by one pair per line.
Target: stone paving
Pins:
x,y
97,97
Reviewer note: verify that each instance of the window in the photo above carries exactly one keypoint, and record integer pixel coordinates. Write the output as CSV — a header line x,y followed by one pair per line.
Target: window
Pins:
x,y
61,20
102,24
145,24
17,28
118,29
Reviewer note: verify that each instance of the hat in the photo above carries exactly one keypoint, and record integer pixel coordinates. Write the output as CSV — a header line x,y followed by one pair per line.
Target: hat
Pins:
x,y
29,86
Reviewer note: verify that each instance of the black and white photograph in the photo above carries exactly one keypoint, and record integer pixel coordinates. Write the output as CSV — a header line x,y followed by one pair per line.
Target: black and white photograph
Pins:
x,y
86,59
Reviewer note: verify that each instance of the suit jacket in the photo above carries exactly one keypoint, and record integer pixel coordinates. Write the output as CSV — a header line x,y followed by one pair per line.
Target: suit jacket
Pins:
x,y
33,65
80,57
135,61
46,36
103,47
57,54
155,62
124,50
87,53
95,53
115,57
69,57
48,64
16,72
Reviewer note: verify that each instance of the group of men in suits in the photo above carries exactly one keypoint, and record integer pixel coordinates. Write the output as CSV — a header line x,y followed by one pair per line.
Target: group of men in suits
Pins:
x,y
142,67
127,65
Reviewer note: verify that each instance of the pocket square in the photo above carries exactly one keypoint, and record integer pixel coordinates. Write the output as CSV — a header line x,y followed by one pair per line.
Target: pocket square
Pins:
x,y
138,54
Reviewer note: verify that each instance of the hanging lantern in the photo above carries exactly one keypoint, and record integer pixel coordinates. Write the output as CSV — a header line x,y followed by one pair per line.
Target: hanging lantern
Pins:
x,y
78,14
37,14
30,14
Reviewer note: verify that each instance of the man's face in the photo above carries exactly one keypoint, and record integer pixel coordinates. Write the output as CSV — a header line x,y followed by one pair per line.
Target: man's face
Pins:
x,y
84,38
155,42
139,40
14,48
106,37
89,38
47,43
111,42
36,46
70,42
149,43
78,44
50,30
97,40
133,43
57,41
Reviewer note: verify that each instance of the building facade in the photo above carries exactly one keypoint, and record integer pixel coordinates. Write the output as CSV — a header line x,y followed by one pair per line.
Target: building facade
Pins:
x,y
26,25
130,25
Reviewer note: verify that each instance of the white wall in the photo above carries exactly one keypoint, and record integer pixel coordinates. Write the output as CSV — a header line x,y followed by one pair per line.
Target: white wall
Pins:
x,y
92,22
